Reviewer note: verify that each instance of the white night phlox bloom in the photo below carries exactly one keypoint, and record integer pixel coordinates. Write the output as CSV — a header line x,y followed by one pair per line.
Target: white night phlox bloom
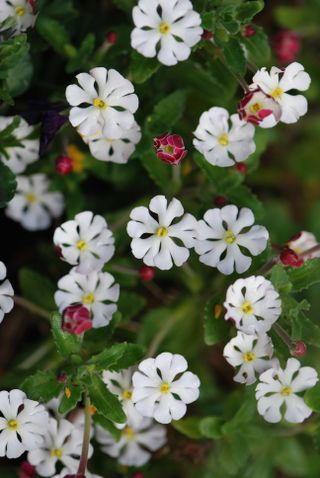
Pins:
x,y
166,29
63,443
6,292
222,144
278,83
96,291
137,442
85,241
158,393
23,12
34,205
66,472
252,353
302,242
116,150
279,387
253,304
156,241
120,383
222,235
23,423
18,157
108,101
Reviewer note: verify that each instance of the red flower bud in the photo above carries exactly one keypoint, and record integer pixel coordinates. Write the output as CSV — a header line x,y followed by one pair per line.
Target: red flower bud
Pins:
x,y
300,349
112,38
206,35
64,165
75,476
26,470
256,106
249,31
58,251
241,168
32,3
286,45
220,201
170,148
147,273
62,377
138,474
290,258
76,319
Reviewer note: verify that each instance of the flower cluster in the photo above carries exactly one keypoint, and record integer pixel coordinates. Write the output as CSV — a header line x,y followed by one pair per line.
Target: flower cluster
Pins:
x,y
23,12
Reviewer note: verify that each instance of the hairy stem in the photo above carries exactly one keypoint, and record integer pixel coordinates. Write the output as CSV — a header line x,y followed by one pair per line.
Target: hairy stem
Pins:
x,y
31,307
86,438
284,336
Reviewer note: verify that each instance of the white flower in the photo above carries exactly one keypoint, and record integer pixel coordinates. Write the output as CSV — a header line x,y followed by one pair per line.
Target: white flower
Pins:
x,y
157,247
221,144
23,423
172,23
278,387
85,241
252,353
63,442
116,150
279,82
20,156
95,291
21,10
219,235
65,472
34,205
120,383
110,103
302,242
253,304
260,109
6,292
156,391
137,442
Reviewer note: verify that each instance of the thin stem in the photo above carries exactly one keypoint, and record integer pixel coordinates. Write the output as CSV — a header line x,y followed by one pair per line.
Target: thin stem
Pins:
x,y
31,307
283,336
312,250
158,338
86,438
124,270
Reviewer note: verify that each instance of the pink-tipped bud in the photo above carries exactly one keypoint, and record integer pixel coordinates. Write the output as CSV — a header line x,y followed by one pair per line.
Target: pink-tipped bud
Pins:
x,y
58,251
290,258
241,168
32,3
62,377
249,31
286,46
75,476
300,349
76,319
258,108
26,470
64,165
147,273
138,474
206,35
220,201
170,148
112,38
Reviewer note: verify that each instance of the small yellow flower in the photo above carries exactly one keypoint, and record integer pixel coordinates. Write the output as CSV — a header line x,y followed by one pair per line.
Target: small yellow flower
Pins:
x,y
67,392
78,158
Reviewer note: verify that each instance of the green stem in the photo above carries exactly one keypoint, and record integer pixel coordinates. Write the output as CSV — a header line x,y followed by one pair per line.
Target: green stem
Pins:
x,y
31,307
86,438
283,336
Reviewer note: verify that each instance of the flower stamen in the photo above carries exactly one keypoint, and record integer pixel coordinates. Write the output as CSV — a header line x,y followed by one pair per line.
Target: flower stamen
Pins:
x,y
249,357
247,308
88,298
230,237
277,93
12,425
129,433
31,198
164,28
20,11
286,391
162,232
127,394
82,245
99,103
224,140
165,388
56,452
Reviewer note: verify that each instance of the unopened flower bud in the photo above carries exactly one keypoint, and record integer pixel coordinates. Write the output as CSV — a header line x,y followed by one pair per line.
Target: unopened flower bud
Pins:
x,y
258,108
290,258
138,474
220,201
62,377
112,38
64,165
26,470
206,35
302,242
147,273
76,319
249,31
170,148
75,476
241,168
286,46
300,349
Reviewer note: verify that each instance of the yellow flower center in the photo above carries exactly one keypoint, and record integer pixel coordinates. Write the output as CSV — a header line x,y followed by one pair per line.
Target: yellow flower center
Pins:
x,y
229,237
224,140
99,103
82,245
168,149
20,10
249,357
164,28
247,308
128,433
165,388
277,93
162,232
31,198
88,298
286,391
77,158
127,394
12,425
56,452
255,108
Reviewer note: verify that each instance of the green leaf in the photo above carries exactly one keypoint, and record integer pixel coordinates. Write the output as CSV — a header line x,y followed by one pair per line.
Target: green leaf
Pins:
x,y
125,5
42,386
305,276
11,51
258,47
211,427
130,304
55,34
242,196
10,128
234,56
19,77
67,344
158,171
189,427
106,403
37,288
8,185
107,425
118,357
166,113
247,10
216,329
244,415
71,397
279,277
312,398
142,68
